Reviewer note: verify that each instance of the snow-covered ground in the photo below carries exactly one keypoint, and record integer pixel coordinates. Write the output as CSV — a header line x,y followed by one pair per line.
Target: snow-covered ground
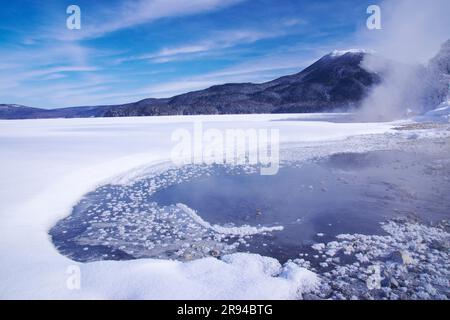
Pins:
x,y
48,165
441,113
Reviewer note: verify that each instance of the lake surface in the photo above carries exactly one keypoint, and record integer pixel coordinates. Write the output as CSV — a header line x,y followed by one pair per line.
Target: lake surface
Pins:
x,y
312,202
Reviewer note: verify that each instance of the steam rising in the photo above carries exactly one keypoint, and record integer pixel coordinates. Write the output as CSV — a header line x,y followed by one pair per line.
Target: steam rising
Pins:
x,y
412,33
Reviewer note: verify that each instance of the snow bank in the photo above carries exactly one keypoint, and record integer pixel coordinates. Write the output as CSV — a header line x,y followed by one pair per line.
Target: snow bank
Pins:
x,y
236,276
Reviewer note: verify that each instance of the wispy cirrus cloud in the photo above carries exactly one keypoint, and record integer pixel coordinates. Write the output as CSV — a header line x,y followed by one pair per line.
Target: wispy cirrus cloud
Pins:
x,y
219,40
48,71
56,63
127,14
214,42
54,72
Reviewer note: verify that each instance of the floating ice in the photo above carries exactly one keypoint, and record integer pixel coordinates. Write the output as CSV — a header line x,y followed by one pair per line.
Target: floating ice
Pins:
x,y
412,260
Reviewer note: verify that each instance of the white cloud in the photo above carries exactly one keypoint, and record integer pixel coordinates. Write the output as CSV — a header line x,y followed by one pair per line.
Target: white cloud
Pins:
x,y
56,72
30,76
51,53
216,41
131,13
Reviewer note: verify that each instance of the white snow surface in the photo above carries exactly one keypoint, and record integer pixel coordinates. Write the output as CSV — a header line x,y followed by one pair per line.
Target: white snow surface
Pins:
x,y
48,165
442,113
338,53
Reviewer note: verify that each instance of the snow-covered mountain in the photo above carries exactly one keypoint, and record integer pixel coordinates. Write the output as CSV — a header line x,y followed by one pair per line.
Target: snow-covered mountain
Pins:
x,y
16,111
335,81
438,79
436,98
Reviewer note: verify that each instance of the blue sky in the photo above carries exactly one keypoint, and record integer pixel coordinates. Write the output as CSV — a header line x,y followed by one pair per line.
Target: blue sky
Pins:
x,y
131,50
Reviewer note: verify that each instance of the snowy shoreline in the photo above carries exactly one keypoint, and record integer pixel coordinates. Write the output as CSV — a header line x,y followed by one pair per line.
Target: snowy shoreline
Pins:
x,y
49,164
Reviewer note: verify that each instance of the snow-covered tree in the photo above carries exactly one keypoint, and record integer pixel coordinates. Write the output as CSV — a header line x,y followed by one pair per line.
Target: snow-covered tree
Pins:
x,y
437,81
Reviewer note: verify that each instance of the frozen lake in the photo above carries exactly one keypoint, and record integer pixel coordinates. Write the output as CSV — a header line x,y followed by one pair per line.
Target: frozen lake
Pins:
x,y
90,183
313,202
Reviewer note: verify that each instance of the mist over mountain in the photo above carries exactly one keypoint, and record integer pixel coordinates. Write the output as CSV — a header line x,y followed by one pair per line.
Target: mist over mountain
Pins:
x,y
336,81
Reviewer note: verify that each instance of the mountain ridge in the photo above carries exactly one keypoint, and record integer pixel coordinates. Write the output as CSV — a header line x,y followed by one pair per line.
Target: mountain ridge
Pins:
x,y
334,81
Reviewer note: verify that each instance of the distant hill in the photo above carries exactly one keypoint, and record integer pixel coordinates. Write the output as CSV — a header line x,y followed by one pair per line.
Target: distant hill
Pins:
x,y
335,81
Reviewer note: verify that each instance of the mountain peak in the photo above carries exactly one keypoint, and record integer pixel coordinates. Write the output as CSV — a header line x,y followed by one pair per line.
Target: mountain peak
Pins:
x,y
338,53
